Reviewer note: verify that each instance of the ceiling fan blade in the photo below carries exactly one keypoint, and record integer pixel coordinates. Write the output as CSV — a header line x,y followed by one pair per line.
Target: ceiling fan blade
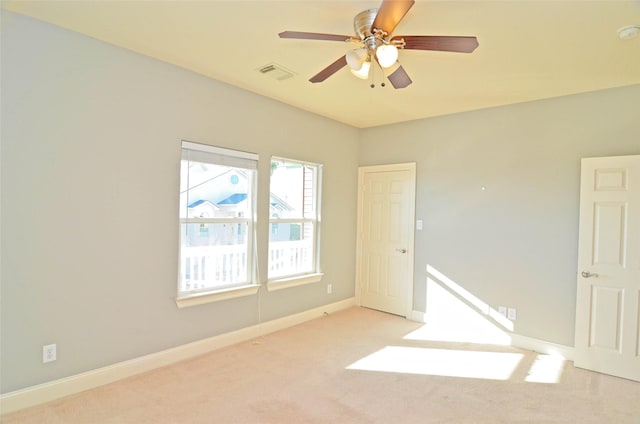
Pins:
x,y
399,78
441,43
315,36
390,14
329,70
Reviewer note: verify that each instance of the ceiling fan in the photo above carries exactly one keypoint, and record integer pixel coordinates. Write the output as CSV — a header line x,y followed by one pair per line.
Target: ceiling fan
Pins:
x,y
374,28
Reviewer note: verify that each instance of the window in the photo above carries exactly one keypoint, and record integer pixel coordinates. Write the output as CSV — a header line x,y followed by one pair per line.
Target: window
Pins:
x,y
295,219
216,219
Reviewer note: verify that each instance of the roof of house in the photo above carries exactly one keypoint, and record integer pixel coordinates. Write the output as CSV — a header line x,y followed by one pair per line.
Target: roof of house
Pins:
x,y
234,199
197,203
280,203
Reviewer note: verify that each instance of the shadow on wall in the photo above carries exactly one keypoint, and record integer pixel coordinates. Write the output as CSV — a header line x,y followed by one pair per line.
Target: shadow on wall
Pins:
x,y
460,319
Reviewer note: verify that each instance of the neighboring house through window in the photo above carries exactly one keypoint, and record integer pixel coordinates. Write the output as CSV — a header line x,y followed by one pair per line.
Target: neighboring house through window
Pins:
x,y
217,207
294,220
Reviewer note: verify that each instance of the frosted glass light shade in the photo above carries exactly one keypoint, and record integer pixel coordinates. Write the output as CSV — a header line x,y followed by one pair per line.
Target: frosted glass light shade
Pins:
x,y
356,58
363,72
387,55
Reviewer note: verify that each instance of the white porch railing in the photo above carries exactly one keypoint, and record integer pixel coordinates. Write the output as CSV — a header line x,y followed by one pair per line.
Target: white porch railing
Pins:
x,y
217,266
290,257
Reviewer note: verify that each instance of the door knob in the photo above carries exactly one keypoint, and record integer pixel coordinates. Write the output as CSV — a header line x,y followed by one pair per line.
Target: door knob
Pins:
x,y
587,274
401,250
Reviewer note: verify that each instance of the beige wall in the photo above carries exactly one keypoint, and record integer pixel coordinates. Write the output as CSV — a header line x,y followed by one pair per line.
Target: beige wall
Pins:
x,y
90,165
515,242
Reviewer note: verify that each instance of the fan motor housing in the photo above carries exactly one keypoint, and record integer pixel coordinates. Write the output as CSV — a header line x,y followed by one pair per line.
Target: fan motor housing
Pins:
x,y
363,21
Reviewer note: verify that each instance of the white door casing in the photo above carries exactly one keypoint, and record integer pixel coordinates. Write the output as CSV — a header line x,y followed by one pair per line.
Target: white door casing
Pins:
x,y
607,337
385,248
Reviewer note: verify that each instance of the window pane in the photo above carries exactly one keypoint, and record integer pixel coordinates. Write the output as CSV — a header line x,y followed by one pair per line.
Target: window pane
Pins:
x,y
291,250
214,191
213,255
292,189
293,218
216,218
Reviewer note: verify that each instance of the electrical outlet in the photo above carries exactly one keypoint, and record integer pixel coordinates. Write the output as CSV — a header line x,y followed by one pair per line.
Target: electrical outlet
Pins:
x,y
512,314
502,310
49,353
329,288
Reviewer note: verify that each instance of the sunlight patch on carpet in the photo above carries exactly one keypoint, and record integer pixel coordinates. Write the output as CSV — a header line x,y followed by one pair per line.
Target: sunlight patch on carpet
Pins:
x,y
546,369
441,362
477,333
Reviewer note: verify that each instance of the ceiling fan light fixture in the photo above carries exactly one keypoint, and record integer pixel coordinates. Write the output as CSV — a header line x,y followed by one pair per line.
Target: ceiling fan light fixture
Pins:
x,y
356,58
387,55
363,72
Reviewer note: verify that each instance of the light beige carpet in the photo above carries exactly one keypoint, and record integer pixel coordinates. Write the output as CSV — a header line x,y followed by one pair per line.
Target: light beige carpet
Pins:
x,y
355,366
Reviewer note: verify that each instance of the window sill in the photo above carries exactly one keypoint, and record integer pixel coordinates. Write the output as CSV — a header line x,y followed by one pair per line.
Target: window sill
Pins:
x,y
298,280
218,295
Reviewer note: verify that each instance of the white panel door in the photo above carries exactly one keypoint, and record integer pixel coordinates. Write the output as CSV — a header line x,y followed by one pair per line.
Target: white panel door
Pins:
x,y
386,210
607,335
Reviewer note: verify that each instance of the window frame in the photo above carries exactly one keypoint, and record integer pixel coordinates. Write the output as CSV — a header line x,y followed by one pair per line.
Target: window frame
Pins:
x,y
247,162
305,277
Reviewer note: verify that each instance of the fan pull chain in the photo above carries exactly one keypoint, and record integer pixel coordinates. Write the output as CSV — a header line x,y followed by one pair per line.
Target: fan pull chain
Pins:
x,y
373,72
382,84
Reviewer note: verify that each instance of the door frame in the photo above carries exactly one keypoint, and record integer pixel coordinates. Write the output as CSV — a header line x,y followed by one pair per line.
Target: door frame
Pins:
x,y
362,170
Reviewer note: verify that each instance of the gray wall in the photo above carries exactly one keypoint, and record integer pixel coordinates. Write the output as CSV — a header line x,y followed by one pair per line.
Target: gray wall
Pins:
x,y
90,166
515,242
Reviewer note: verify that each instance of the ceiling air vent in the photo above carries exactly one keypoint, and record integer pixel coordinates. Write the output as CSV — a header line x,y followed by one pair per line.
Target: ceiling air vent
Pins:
x,y
275,71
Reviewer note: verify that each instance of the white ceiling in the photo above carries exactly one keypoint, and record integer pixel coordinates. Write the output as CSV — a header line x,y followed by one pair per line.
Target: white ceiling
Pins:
x,y
528,50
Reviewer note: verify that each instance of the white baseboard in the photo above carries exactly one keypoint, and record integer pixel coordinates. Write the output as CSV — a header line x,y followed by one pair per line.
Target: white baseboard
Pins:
x,y
520,341
418,316
53,390
541,346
